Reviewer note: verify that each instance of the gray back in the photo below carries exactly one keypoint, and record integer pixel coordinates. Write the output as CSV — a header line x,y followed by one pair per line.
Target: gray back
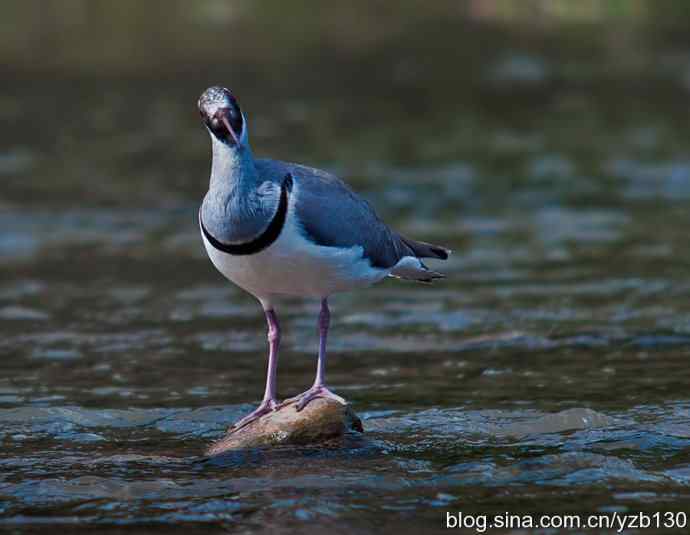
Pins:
x,y
331,214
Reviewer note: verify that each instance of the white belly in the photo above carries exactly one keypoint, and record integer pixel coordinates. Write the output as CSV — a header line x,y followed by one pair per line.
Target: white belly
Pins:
x,y
291,265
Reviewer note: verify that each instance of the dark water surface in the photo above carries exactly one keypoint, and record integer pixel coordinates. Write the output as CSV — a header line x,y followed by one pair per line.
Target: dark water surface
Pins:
x,y
547,144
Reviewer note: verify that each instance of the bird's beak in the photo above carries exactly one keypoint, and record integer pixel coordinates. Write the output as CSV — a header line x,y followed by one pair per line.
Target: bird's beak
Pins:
x,y
232,132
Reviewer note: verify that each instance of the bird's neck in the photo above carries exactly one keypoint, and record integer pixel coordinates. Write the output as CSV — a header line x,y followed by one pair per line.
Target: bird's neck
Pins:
x,y
235,208
232,169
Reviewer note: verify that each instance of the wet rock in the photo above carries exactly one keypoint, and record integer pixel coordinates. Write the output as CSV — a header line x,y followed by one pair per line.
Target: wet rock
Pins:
x,y
568,420
320,420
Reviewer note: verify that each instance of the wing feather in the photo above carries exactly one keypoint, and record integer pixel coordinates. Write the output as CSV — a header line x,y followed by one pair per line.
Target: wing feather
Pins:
x,y
331,214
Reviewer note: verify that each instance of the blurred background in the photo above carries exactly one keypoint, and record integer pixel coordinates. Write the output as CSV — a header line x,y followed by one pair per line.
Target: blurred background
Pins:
x,y
547,142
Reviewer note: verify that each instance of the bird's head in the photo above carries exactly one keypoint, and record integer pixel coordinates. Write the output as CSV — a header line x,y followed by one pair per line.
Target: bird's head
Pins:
x,y
222,116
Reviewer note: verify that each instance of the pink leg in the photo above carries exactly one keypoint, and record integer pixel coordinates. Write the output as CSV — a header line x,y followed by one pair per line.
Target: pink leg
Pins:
x,y
318,389
270,401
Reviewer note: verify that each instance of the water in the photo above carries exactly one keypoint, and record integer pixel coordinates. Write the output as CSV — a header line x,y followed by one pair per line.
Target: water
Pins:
x,y
548,373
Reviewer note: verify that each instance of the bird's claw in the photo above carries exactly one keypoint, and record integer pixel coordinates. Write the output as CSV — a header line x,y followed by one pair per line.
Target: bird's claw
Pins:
x,y
317,391
266,406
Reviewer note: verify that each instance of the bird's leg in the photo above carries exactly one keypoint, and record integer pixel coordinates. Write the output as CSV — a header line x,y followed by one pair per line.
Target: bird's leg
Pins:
x,y
318,389
270,401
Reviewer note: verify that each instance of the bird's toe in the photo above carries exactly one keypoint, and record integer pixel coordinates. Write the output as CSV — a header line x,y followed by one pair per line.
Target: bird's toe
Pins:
x,y
317,392
266,406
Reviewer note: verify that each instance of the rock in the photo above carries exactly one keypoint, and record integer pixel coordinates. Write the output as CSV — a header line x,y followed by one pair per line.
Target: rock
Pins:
x,y
320,420
575,419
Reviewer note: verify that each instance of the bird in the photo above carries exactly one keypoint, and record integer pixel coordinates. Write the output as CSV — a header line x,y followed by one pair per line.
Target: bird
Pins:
x,y
278,229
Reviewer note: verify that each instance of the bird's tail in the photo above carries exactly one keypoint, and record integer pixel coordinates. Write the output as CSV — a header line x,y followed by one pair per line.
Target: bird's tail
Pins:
x,y
411,267
426,250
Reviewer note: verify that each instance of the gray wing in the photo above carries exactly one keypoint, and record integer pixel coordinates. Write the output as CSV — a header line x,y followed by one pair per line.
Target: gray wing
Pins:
x,y
333,215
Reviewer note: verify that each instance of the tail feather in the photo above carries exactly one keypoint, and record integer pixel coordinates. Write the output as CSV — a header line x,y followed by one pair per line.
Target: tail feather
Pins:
x,y
426,250
410,265
429,276
412,268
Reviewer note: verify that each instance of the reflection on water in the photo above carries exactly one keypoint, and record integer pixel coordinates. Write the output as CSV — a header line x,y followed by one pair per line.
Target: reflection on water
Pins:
x,y
545,142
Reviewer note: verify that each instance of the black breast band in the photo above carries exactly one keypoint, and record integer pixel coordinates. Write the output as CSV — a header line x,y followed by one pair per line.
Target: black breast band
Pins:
x,y
263,240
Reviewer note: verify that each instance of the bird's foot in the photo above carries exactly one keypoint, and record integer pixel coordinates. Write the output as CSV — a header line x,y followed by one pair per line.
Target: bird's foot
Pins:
x,y
316,391
266,406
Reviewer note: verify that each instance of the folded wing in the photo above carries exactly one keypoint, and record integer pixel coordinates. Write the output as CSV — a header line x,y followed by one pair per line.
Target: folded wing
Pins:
x,y
331,214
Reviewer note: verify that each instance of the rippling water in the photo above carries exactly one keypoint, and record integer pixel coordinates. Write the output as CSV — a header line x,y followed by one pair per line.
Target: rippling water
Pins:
x,y
547,373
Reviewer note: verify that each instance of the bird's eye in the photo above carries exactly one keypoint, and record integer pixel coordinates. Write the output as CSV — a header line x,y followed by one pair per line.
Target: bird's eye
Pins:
x,y
215,122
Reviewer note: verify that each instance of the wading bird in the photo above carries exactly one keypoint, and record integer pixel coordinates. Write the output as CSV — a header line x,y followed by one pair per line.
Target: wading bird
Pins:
x,y
275,228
